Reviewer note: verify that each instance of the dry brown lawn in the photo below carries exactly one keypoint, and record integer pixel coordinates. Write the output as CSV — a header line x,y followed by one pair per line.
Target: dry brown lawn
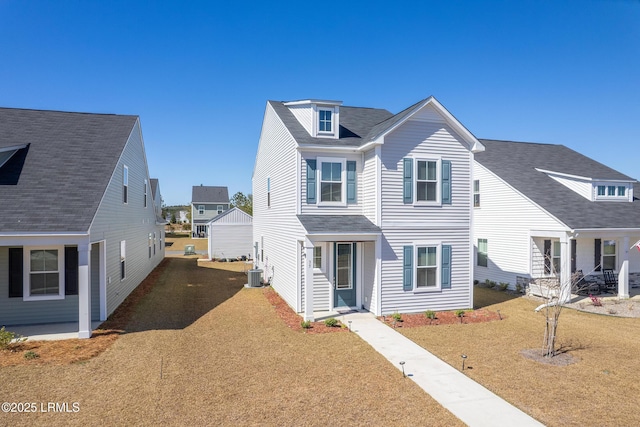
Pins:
x,y
200,349
601,389
179,241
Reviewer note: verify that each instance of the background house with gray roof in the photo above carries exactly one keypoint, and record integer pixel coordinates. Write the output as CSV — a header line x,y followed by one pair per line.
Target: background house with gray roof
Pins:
x,y
207,202
544,211
83,230
362,208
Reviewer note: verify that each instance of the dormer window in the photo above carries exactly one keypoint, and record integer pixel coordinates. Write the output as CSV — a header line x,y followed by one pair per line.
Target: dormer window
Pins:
x,y
612,191
324,121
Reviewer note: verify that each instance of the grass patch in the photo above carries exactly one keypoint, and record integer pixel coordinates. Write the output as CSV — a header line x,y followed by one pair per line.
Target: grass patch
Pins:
x,y
603,363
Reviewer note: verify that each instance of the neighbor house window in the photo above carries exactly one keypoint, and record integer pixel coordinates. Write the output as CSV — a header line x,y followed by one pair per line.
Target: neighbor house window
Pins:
x,y
555,257
609,254
601,190
426,267
331,180
611,190
43,268
476,193
150,240
317,257
622,190
123,256
268,192
125,185
220,209
200,209
483,253
154,243
426,181
145,193
325,121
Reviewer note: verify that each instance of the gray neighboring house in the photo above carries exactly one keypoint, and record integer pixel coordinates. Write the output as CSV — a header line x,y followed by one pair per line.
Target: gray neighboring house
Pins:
x,y
207,202
543,212
83,229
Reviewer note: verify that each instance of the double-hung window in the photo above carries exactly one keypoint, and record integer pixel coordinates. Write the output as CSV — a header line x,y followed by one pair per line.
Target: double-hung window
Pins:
x,y
483,253
125,184
123,257
609,254
426,180
200,209
145,193
476,193
317,257
43,268
427,267
220,209
332,180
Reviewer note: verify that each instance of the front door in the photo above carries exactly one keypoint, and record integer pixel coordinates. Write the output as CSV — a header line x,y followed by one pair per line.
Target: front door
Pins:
x,y
344,289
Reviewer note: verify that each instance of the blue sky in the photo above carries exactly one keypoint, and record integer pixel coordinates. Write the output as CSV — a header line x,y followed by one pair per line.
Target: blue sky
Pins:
x,y
199,73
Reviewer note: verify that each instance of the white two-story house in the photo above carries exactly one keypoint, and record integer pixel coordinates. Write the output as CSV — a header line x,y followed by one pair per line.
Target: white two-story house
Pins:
x,y
360,208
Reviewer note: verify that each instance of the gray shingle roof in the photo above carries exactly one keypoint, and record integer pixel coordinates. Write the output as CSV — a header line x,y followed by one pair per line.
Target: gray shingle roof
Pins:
x,y
338,224
57,182
209,194
355,125
516,163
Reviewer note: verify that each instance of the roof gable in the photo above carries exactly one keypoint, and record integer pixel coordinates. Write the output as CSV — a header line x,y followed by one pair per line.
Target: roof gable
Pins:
x,y
56,182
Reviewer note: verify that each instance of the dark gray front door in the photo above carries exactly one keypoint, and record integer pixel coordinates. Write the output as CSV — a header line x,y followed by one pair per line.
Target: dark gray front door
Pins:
x,y
344,289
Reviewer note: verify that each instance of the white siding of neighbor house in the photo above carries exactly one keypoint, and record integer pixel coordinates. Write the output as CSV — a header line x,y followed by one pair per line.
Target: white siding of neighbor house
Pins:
x,y
505,218
115,221
277,159
404,224
317,208
231,235
370,185
304,114
585,189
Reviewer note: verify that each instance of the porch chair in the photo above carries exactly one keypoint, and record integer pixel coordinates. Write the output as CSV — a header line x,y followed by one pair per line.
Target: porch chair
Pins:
x,y
581,285
610,280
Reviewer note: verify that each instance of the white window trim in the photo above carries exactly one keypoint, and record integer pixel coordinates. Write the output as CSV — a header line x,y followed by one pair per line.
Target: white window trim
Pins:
x,y
628,196
438,287
125,185
334,122
478,254
322,259
438,201
615,255
146,186
203,209
343,179
123,258
26,269
219,209
476,193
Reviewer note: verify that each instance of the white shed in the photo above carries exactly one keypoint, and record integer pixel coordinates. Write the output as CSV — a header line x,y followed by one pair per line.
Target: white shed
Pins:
x,y
230,234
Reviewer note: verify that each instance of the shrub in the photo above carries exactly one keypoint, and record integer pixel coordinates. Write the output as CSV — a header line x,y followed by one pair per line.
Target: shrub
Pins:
x,y
331,322
31,355
460,313
475,282
518,288
397,317
503,286
490,283
306,324
6,337
430,314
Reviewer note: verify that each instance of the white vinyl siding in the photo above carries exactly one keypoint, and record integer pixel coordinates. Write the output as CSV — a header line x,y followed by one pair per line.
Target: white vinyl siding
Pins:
x,y
404,224
506,220
370,186
231,235
277,158
112,226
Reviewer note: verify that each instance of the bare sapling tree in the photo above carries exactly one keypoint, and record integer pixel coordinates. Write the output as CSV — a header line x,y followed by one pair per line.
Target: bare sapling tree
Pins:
x,y
558,294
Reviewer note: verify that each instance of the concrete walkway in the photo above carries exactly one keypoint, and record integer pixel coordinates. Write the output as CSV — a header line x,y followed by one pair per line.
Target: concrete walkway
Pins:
x,y
50,331
463,397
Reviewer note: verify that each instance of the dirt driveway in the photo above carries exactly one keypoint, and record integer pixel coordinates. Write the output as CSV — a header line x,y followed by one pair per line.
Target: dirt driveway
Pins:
x,y
202,350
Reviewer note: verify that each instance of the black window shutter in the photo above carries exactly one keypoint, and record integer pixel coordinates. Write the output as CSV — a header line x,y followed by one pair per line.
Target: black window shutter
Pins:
x,y
573,255
547,257
598,255
15,272
71,270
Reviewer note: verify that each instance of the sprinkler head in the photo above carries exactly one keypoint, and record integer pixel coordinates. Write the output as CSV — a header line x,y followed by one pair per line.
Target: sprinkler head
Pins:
x,y
402,364
464,356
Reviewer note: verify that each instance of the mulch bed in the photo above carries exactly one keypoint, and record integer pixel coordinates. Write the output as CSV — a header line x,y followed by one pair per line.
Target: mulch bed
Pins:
x,y
292,319
442,318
